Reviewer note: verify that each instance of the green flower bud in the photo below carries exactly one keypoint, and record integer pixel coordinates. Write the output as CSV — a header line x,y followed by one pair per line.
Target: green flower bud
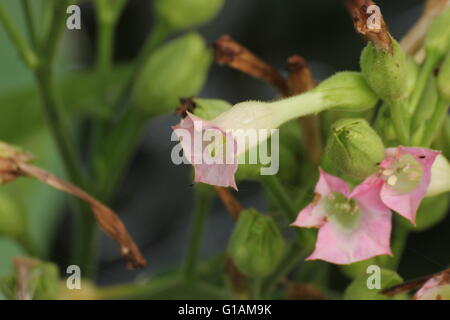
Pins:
x,y
347,91
210,108
359,289
13,221
183,14
440,177
443,81
385,71
178,69
354,148
437,41
256,245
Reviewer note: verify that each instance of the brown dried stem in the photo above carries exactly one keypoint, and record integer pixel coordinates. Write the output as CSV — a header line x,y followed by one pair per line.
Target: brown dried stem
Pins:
x,y
379,37
229,201
236,56
109,222
299,81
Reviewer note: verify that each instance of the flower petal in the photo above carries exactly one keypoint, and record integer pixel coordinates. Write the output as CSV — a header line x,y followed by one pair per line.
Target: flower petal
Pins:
x,y
406,204
436,288
216,170
313,216
368,238
328,183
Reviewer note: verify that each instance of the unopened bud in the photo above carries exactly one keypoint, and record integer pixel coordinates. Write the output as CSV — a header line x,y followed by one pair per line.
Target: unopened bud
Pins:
x,y
13,221
256,245
354,148
347,91
178,69
440,177
385,71
183,14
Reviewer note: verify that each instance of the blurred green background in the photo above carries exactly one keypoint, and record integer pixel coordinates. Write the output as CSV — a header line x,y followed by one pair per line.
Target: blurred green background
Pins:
x,y
155,197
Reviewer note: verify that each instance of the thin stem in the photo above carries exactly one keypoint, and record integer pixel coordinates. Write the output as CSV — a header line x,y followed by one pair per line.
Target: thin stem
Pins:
x,y
202,204
257,289
401,233
26,7
157,36
421,82
27,54
293,256
53,35
278,194
435,123
398,118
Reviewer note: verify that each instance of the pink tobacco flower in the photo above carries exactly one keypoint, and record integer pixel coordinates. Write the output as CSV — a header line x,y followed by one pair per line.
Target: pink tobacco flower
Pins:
x,y
353,226
436,288
209,149
406,173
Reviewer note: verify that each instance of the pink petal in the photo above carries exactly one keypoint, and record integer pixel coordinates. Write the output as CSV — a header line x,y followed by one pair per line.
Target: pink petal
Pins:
x,y
406,204
369,238
431,289
328,183
313,216
310,217
218,174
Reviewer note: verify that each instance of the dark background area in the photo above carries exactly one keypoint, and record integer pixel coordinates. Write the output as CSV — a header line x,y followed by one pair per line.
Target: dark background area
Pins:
x,y
156,201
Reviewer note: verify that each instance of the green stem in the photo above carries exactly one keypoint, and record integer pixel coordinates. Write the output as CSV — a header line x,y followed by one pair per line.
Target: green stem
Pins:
x,y
112,157
26,7
202,205
399,119
27,54
421,82
435,123
257,289
292,257
85,223
401,233
276,191
156,37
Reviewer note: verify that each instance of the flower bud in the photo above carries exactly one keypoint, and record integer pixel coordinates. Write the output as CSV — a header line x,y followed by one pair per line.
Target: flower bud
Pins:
x,y
443,81
354,148
437,41
385,71
256,245
347,91
432,210
178,69
183,14
440,177
12,218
